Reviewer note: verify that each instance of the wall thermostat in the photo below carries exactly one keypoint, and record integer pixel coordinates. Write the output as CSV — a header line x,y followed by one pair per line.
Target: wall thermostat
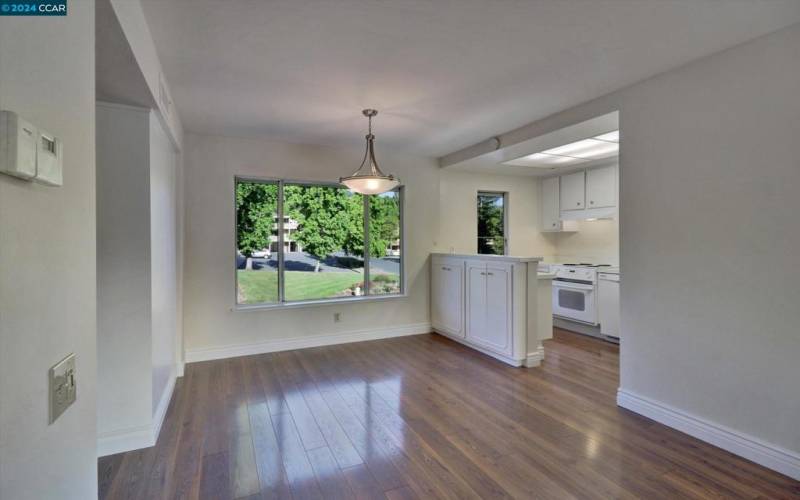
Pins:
x,y
28,152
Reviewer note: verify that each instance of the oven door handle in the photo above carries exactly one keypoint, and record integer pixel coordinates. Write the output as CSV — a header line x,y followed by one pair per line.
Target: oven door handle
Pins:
x,y
572,286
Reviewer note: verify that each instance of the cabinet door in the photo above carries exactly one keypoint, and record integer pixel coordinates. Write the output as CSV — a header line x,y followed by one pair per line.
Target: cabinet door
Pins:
x,y
573,191
551,212
601,187
497,335
489,307
608,307
447,296
476,301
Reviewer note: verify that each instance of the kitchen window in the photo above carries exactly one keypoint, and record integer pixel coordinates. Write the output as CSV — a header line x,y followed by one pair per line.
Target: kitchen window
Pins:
x,y
492,229
299,242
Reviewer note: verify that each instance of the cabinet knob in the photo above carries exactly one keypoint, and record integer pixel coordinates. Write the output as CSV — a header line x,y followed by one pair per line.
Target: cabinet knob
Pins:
x,y
554,224
591,203
490,274
579,203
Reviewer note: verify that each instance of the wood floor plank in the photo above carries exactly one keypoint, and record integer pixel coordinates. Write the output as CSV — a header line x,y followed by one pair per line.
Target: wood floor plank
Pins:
x,y
421,417
329,475
268,453
215,482
363,484
295,461
307,426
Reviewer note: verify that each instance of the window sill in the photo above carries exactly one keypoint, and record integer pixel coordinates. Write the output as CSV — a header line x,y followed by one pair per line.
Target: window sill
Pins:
x,y
315,303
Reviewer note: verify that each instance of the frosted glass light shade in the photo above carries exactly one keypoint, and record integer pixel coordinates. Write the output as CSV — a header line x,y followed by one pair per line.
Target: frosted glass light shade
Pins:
x,y
370,184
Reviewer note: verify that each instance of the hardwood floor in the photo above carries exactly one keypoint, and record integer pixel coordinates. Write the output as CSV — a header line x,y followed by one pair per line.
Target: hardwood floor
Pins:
x,y
421,417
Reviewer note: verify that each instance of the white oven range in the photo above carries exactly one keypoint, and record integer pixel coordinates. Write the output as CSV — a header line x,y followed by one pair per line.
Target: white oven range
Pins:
x,y
575,292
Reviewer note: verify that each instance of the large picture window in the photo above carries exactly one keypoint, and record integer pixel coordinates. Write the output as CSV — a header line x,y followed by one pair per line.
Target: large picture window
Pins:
x,y
299,242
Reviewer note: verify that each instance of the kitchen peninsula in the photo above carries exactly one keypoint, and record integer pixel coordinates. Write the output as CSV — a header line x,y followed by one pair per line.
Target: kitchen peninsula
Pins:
x,y
499,305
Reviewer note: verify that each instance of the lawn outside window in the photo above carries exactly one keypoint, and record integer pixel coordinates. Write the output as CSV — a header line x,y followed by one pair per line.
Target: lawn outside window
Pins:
x,y
305,243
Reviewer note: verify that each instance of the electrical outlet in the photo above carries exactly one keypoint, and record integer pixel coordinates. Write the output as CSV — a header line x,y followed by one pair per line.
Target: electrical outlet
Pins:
x,y
63,390
337,317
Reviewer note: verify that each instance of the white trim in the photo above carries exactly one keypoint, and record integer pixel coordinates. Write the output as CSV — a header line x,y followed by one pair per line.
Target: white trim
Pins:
x,y
535,358
180,369
163,405
770,456
209,353
143,436
132,438
314,303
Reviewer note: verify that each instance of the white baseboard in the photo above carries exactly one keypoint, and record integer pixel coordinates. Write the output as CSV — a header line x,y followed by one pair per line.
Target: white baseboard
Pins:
x,y
180,369
770,456
135,438
122,440
209,353
163,405
535,358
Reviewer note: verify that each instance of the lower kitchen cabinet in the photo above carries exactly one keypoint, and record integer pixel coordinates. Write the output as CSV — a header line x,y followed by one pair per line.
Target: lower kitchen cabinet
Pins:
x,y
489,306
447,295
608,304
489,303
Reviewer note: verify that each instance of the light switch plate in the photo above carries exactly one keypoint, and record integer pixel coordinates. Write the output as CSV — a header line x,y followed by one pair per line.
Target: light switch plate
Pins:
x,y
63,390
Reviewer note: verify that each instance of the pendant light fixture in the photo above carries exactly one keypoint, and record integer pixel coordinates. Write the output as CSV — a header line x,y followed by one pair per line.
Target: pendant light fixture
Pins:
x,y
370,180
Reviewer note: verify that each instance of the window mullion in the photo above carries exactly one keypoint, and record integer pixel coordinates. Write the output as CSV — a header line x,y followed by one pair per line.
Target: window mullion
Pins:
x,y
366,245
281,264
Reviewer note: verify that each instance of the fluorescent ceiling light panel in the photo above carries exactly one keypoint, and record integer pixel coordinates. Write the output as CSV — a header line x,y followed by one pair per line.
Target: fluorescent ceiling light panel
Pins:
x,y
609,137
544,161
589,149
603,146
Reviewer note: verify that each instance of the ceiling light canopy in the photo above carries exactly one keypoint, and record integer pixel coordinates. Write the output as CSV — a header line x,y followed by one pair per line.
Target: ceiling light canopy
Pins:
x,y
596,148
370,180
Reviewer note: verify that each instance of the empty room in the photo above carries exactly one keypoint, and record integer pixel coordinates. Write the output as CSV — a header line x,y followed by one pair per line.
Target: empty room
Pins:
x,y
408,249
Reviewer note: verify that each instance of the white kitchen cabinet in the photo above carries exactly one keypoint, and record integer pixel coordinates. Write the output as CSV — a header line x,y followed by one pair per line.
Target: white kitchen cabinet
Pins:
x,y
492,305
601,187
447,295
489,305
608,304
573,191
551,210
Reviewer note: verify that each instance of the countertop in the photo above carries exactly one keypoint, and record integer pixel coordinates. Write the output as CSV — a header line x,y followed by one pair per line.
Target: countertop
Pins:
x,y
498,258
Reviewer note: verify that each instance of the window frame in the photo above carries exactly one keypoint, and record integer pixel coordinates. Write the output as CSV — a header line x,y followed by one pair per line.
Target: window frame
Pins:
x,y
282,303
506,238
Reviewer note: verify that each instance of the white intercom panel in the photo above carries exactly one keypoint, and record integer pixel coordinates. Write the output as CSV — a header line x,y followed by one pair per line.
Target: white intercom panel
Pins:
x,y
18,144
28,152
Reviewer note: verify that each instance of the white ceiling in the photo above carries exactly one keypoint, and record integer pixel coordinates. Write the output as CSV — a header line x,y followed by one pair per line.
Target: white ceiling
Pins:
x,y
444,74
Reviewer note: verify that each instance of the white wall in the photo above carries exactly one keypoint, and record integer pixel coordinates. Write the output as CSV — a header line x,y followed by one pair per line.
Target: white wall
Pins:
x,y
594,241
458,214
123,269
709,231
710,238
163,260
211,162
47,262
137,276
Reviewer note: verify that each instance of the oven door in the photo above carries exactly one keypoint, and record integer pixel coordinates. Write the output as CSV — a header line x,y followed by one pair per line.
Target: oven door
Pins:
x,y
575,301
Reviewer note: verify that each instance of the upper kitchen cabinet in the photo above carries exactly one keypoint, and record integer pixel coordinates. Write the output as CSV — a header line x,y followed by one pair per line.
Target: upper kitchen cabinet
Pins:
x,y
551,209
573,191
589,194
601,187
